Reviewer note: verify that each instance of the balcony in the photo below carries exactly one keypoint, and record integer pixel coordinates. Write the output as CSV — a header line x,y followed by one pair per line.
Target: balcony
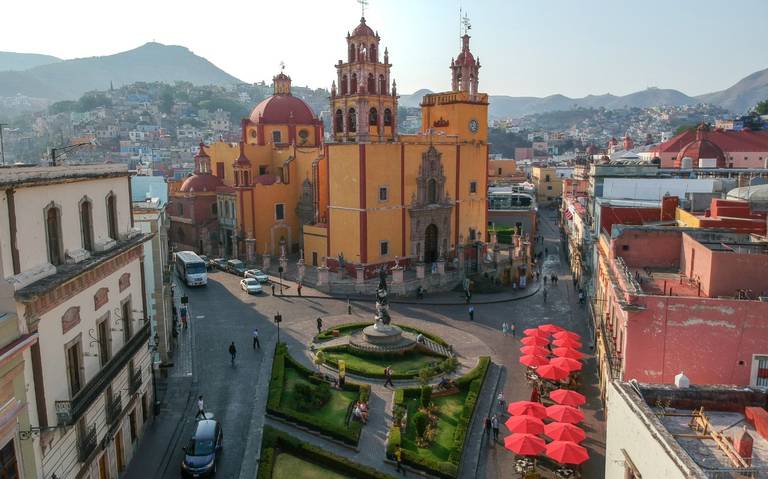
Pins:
x,y
86,444
70,411
114,408
135,382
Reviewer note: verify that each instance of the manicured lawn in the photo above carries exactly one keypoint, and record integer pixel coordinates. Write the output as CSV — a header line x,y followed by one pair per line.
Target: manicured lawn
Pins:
x,y
288,466
335,411
407,364
450,408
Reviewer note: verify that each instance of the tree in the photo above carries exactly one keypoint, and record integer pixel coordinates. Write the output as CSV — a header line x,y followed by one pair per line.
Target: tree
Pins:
x,y
762,108
684,128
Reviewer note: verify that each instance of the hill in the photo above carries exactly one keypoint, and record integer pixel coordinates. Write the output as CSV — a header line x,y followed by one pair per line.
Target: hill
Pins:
x,y
69,79
742,96
12,61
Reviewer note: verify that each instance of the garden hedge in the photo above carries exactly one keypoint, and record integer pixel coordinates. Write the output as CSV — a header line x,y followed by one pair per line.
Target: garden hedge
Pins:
x,y
275,442
349,434
471,382
370,373
327,334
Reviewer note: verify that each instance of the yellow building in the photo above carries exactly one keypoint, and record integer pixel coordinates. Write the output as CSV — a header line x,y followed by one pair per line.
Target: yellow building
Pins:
x,y
548,183
415,197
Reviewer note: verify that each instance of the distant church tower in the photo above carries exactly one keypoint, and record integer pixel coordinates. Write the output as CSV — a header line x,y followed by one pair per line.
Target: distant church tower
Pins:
x,y
363,104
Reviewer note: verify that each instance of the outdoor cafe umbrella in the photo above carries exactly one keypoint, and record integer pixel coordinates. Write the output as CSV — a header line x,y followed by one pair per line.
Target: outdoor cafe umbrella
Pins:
x,y
552,372
566,452
535,332
531,360
567,335
534,341
535,350
527,408
562,413
567,343
568,364
525,424
524,444
563,431
550,328
568,353
567,397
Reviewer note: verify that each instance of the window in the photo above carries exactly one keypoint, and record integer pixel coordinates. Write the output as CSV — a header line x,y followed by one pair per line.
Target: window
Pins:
x,y
86,224
276,136
127,320
262,169
314,258
472,234
351,121
384,248
499,173
473,186
181,209
387,117
53,235
220,169
382,85
144,407
74,358
625,247
549,188
546,178
371,83
279,211
353,84
133,425
105,337
8,466
214,209
383,193
432,191
339,121
373,117
344,85
112,216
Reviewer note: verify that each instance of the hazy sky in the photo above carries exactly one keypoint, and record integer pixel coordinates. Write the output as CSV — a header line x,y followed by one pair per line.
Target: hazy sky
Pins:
x,y
533,47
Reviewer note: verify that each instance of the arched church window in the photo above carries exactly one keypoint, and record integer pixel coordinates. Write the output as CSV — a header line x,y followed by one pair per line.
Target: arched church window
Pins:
x,y
387,117
353,86
432,191
372,52
351,53
382,85
352,120
373,117
344,84
371,83
246,178
339,121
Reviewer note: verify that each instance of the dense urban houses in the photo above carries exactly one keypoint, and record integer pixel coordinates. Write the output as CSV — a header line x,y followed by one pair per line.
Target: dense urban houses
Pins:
x,y
76,335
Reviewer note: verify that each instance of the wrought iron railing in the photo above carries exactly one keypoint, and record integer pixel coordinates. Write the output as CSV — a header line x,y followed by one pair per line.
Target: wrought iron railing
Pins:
x,y
135,381
86,444
114,408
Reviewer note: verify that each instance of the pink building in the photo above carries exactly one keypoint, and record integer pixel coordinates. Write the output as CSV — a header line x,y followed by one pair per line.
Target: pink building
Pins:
x,y
671,300
739,149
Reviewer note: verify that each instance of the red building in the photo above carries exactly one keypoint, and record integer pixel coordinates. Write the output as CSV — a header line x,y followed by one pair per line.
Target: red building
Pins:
x,y
730,149
671,300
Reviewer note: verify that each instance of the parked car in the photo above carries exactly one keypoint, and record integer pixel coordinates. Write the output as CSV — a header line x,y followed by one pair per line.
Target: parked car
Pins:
x,y
202,451
235,266
250,285
257,274
206,260
220,263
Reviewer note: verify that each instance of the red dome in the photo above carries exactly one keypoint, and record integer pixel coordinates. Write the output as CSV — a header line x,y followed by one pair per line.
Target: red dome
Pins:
x,y
699,149
465,58
283,109
200,183
362,29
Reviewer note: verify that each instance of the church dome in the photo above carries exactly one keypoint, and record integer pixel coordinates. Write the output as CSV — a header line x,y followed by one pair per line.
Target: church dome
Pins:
x,y
700,148
362,29
465,58
282,109
201,182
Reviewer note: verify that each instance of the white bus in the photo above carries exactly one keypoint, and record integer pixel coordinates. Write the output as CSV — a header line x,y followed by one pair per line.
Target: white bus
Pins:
x,y
191,268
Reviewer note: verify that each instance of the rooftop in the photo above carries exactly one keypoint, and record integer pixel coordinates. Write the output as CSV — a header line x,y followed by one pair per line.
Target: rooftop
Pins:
x,y
20,176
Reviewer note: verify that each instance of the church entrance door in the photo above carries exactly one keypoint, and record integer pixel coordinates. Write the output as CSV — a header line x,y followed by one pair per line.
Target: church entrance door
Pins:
x,y
430,244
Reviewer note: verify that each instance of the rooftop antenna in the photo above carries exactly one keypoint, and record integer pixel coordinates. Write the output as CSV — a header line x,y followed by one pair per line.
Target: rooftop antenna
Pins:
x,y
363,4
465,24
282,66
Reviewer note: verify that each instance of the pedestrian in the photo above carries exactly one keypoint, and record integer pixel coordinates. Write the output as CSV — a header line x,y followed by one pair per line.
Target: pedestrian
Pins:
x,y
200,407
298,289
273,289
546,251
487,427
545,295
504,328
512,328
349,306
581,297
256,343
495,427
232,351
471,313
545,280
388,377
500,401
537,275
319,324
184,316
399,460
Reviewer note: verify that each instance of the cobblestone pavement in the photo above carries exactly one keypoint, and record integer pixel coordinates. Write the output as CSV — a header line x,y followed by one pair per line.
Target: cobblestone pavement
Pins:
x,y
236,395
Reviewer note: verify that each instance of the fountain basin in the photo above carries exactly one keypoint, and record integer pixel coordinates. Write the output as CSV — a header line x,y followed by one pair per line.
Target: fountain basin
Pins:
x,y
383,335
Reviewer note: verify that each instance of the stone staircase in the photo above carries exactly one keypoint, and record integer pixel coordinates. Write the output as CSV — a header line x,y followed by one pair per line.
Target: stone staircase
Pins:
x,y
437,348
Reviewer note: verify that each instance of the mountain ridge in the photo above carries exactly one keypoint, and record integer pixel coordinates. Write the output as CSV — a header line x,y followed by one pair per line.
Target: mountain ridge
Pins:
x,y
15,61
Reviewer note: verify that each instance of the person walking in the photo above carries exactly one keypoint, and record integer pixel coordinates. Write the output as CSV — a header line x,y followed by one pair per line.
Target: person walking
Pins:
x,y
256,343
298,289
512,328
349,306
200,407
399,460
232,352
388,377
487,427
500,401
319,324
471,312
495,427
273,289
545,280
545,295
504,328
184,314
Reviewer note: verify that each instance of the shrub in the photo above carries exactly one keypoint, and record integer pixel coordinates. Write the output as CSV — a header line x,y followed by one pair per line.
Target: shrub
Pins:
x,y
393,441
424,376
309,397
426,396
421,421
266,463
365,393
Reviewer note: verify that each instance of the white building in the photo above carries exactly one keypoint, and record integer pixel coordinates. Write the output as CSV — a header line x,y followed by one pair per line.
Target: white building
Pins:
x,y
72,267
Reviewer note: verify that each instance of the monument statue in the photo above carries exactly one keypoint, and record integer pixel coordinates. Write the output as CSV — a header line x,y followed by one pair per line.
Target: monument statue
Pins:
x,y
382,302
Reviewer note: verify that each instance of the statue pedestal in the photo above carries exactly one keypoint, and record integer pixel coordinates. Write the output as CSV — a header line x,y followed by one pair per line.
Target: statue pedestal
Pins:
x,y
359,274
420,270
441,267
301,269
383,334
284,264
266,262
322,276
397,275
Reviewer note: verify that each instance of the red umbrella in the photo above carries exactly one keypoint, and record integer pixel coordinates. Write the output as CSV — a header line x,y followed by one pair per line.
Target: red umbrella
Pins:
x,y
568,353
566,452
550,328
536,332
567,335
568,364
527,408
562,413
525,424
552,372
525,444
535,350
533,361
567,397
562,431
534,341
567,343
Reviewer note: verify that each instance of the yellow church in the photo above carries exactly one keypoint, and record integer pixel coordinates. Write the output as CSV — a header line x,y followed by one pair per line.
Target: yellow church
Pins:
x,y
361,194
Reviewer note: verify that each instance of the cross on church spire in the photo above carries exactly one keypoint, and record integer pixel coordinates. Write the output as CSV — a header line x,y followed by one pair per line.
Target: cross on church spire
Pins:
x,y
282,66
465,24
363,4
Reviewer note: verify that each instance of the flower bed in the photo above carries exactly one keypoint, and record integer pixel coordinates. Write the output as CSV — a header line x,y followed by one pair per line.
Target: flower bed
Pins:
x,y
442,455
300,395
406,365
349,328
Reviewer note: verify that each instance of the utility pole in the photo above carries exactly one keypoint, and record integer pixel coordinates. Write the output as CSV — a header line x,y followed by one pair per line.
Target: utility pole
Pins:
x,y
2,146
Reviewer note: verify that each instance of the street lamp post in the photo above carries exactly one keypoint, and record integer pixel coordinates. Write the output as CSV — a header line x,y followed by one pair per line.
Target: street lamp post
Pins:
x,y
278,320
280,270
66,149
